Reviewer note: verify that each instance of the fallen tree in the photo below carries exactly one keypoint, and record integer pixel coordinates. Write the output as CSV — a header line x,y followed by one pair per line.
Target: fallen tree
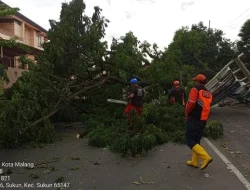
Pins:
x,y
77,73
75,64
158,125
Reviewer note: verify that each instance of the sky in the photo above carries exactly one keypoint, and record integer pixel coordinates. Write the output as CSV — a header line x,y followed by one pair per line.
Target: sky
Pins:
x,y
152,20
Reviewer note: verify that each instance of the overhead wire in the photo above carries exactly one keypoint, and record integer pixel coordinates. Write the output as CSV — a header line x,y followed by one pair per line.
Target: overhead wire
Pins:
x,y
239,22
233,26
242,14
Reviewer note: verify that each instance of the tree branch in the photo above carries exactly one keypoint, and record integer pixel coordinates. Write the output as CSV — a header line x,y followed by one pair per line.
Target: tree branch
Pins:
x,y
102,82
72,97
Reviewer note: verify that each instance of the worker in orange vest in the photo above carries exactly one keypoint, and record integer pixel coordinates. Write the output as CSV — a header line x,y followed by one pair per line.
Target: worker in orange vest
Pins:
x,y
197,113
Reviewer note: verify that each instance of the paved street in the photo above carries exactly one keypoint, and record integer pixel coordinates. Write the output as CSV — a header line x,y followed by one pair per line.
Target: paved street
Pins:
x,y
86,167
236,142
100,169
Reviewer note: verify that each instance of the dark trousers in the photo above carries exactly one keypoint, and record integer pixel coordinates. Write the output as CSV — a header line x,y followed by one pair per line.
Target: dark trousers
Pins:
x,y
194,131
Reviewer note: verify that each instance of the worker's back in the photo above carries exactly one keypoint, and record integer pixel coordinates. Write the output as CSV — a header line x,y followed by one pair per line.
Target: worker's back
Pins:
x,y
138,92
178,94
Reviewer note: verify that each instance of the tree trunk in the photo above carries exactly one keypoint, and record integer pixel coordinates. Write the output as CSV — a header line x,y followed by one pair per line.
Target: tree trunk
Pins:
x,y
60,106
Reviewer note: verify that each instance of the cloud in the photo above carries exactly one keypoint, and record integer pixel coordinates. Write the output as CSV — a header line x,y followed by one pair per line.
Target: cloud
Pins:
x,y
151,1
44,3
185,4
109,2
141,1
129,14
151,20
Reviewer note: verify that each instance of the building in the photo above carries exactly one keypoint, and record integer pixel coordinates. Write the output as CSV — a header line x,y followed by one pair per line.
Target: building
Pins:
x,y
26,32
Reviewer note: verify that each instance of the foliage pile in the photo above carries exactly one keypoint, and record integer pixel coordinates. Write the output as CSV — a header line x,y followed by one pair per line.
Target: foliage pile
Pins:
x,y
214,129
157,125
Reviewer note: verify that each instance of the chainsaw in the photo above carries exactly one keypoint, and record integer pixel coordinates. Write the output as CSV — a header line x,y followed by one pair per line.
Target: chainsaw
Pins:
x,y
117,101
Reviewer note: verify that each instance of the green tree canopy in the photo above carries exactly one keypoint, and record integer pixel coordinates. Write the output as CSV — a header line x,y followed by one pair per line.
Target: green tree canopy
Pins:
x,y
6,10
243,44
69,77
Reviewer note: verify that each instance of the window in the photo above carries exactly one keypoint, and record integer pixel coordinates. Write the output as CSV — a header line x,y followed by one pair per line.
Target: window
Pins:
x,y
17,63
17,22
39,41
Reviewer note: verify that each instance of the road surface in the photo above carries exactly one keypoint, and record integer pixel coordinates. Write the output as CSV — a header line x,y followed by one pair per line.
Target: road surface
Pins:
x,y
84,167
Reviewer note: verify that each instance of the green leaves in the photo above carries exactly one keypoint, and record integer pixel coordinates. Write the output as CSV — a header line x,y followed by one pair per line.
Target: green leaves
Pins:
x,y
199,47
158,125
7,11
75,44
214,129
1,70
1,87
68,80
12,43
243,45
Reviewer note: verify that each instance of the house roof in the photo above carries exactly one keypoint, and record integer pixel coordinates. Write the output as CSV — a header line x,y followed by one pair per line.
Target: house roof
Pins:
x,y
26,19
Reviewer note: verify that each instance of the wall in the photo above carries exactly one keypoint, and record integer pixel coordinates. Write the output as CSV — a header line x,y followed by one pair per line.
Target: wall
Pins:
x,y
18,29
17,63
7,31
31,57
25,32
9,27
29,37
13,74
4,35
35,39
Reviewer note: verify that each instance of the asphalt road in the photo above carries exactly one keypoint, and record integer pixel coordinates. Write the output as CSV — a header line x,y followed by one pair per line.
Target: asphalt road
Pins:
x,y
236,142
100,169
85,167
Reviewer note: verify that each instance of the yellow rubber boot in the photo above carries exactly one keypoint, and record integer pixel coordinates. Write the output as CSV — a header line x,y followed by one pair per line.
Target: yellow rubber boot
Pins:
x,y
206,159
194,162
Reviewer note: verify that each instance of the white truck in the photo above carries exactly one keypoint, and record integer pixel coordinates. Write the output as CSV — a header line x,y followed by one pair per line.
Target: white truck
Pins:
x,y
226,84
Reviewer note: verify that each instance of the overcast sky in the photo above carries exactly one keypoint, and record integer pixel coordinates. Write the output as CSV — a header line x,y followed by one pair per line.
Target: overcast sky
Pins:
x,y
151,20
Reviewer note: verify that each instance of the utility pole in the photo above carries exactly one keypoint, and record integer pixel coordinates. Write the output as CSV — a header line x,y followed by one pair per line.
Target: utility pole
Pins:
x,y
209,25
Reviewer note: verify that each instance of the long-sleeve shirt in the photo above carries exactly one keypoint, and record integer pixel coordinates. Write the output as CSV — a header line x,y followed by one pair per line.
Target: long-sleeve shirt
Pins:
x,y
192,98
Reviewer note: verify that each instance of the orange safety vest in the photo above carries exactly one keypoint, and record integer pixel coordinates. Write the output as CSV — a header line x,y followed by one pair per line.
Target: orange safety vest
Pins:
x,y
202,107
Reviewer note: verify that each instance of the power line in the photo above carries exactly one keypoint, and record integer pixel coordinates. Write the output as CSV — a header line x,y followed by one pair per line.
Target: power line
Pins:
x,y
242,14
240,21
239,17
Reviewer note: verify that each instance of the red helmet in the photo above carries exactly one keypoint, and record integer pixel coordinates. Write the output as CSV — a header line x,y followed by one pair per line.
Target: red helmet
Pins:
x,y
176,82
